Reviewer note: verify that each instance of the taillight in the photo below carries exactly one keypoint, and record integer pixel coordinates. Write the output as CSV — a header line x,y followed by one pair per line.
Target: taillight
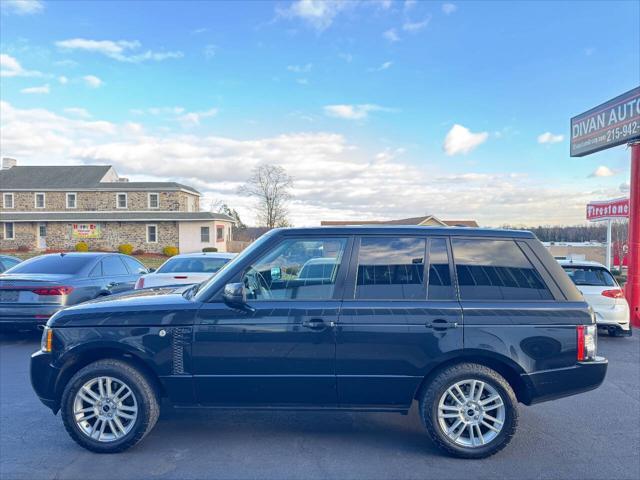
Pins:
x,y
587,342
615,293
53,290
139,283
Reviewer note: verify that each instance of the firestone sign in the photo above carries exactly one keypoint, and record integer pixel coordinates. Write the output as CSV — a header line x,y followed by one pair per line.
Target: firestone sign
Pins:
x,y
613,123
608,209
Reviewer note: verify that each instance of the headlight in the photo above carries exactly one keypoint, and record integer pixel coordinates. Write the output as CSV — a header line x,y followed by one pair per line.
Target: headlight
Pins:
x,y
46,342
587,342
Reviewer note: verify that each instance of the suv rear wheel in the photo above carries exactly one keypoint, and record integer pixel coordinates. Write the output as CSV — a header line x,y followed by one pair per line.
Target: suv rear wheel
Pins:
x,y
469,410
109,406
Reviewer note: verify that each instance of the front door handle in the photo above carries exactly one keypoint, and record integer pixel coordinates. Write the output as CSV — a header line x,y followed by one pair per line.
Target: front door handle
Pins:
x,y
111,285
316,324
440,324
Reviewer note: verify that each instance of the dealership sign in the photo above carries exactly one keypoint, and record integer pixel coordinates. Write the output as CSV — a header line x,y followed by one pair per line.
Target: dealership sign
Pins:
x,y
608,209
86,230
613,123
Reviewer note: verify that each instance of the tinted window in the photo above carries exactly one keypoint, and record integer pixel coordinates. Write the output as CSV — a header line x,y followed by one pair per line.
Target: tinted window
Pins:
x,y
590,276
281,273
440,285
133,265
112,265
496,270
63,264
391,268
186,264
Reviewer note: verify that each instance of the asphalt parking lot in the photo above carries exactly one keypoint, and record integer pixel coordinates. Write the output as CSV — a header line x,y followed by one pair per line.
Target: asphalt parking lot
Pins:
x,y
591,436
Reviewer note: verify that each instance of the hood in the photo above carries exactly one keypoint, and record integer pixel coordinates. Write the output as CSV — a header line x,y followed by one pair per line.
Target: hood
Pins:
x,y
148,307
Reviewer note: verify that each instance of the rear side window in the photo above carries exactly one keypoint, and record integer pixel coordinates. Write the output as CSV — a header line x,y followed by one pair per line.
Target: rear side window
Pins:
x,y
112,266
496,270
590,276
440,286
63,264
391,269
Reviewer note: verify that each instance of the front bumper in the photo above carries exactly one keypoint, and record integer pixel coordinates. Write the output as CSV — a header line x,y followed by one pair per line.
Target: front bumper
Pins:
x,y
563,382
43,379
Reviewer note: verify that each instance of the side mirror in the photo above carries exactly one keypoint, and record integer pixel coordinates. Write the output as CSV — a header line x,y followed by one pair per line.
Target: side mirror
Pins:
x,y
235,295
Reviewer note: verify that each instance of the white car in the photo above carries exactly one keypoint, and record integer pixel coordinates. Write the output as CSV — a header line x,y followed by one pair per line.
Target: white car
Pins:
x,y
602,292
188,268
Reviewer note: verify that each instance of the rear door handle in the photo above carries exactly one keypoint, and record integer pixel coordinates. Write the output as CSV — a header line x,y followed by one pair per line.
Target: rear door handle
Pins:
x,y
316,324
440,324
111,285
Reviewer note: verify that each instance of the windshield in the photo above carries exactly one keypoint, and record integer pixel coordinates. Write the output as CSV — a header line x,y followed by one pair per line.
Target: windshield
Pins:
x,y
192,264
203,289
590,276
62,264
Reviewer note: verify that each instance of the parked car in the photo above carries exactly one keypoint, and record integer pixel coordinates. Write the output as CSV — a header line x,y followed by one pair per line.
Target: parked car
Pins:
x,y
603,293
35,289
188,268
7,261
468,322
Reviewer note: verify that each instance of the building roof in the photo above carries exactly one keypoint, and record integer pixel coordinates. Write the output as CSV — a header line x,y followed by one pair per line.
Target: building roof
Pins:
x,y
404,221
102,216
74,177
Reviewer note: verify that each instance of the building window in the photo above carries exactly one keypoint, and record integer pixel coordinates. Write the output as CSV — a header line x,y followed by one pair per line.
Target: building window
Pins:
x,y
154,200
152,234
204,235
220,233
39,200
71,200
121,200
8,200
8,231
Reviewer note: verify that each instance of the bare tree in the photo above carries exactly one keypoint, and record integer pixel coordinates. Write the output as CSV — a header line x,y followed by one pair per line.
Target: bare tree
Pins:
x,y
270,185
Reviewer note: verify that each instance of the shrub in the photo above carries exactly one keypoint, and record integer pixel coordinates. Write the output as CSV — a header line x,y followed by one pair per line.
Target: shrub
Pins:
x,y
82,247
125,249
139,252
209,249
170,251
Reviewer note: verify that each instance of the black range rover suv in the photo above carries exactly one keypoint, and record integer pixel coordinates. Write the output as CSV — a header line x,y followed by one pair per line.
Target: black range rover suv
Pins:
x,y
467,322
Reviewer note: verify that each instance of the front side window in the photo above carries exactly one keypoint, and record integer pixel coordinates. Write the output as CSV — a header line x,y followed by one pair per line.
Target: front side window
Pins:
x,y
590,276
8,231
154,200
439,285
113,266
391,269
121,200
282,273
134,266
152,234
8,200
39,200
204,235
496,270
71,200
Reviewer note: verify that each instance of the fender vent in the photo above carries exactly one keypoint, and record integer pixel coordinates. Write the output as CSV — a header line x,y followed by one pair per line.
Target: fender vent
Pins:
x,y
180,339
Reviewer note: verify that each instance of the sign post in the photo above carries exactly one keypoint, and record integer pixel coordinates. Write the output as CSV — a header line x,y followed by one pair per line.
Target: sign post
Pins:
x,y
613,123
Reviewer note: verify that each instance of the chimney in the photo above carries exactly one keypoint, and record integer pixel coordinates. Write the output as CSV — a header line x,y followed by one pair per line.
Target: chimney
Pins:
x,y
7,163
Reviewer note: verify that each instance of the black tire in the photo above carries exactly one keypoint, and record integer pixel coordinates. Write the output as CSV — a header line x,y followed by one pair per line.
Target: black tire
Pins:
x,y
145,396
447,378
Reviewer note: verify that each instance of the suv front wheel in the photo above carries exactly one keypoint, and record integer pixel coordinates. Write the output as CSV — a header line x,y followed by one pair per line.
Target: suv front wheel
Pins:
x,y
469,410
109,406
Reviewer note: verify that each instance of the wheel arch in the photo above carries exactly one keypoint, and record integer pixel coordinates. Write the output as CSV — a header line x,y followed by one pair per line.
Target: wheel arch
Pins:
x,y
510,370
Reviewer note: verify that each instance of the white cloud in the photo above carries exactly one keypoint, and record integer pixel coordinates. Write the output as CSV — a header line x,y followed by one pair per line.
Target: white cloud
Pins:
x,y
449,8
10,67
384,66
194,118
602,171
334,179
22,7
391,35
77,112
317,13
117,50
414,27
63,80
352,112
548,137
43,89
462,140
300,68
92,81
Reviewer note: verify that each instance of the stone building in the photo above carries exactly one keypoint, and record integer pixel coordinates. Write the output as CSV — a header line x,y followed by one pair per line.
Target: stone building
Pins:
x,y
55,207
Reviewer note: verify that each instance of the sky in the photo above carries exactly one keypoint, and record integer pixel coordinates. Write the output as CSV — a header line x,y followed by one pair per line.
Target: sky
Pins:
x,y
377,109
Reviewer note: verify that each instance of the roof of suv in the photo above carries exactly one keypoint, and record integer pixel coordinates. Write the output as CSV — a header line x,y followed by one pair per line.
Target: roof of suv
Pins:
x,y
392,229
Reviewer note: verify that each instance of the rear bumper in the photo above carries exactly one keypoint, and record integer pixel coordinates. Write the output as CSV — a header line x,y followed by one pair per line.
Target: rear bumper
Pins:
x,y
616,316
28,316
563,382
43,379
